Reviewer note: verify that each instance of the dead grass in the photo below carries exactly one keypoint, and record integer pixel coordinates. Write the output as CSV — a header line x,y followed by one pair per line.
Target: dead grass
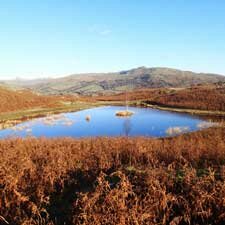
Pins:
x,y
211,97
21,100
177,180
201,97
124,113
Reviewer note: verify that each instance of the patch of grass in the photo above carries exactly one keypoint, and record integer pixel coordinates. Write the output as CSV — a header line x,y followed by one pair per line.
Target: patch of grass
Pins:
x,y
184,110
41,112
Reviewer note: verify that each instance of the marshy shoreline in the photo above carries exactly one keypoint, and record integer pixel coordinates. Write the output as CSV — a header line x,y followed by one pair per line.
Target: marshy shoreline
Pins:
x,y
11,119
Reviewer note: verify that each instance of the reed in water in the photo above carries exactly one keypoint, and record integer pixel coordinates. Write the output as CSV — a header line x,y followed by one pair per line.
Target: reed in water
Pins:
x,y
124,113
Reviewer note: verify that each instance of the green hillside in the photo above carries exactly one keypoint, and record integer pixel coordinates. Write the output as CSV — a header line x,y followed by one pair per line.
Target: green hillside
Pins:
x,y
141,77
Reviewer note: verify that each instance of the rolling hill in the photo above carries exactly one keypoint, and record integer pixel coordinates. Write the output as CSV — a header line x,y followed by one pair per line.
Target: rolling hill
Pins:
x,y
142,77
14,100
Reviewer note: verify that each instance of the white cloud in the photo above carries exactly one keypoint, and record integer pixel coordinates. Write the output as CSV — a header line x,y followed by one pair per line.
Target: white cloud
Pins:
x,y
103,31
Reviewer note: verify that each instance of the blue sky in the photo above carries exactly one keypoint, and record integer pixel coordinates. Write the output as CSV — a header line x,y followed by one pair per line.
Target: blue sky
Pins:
x,y
43,38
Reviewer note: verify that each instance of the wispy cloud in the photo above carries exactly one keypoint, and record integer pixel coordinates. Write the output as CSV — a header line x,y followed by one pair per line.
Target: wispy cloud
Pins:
x,y
103,31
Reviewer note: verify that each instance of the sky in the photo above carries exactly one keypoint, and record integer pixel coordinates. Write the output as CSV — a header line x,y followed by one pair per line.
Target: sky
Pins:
x,y
51,38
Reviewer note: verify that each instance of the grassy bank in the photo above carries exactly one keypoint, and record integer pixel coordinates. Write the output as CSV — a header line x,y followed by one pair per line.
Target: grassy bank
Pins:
x,y
94,181
184,110
19,116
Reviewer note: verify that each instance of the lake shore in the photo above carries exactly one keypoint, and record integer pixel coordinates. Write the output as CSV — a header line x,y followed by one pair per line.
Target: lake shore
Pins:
x,y
185,110
10,119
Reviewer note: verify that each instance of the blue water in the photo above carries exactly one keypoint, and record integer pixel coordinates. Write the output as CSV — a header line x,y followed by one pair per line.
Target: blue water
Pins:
x,y
103,122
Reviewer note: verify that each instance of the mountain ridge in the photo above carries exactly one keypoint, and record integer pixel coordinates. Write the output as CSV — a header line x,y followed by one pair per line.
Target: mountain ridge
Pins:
x,y
113,82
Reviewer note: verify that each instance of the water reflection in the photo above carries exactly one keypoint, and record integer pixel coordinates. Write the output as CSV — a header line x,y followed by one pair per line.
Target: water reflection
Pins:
x,y
127,126
176,130
103,122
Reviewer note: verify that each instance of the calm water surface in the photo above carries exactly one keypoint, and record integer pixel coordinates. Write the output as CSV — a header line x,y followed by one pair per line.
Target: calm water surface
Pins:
x,y
103,122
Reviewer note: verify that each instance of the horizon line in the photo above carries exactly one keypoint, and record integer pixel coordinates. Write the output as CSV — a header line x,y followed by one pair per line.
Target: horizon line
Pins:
x,y
108,72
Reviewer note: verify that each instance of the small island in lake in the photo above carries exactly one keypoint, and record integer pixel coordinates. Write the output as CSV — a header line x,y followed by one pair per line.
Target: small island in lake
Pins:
x,y
124,113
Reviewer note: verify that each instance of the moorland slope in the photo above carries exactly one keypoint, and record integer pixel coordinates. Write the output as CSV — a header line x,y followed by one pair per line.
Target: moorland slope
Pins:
x,y
96,83
11,100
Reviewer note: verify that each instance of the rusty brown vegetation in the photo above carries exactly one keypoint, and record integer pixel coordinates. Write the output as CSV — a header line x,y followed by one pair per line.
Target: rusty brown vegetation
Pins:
x,y
201,97
23,99
179,180
138,94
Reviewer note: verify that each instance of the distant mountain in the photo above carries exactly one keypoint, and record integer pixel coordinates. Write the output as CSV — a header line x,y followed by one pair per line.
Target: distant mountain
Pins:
x,y
141,77
20,82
